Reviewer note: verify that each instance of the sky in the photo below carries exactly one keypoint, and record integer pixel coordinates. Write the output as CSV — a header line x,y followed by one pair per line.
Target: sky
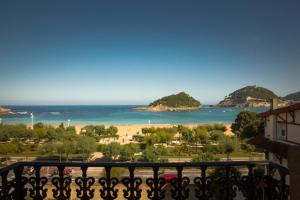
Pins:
x,y
133,52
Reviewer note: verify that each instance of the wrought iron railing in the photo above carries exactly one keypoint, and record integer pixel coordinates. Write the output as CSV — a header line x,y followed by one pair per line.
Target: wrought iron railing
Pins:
x,y
193,180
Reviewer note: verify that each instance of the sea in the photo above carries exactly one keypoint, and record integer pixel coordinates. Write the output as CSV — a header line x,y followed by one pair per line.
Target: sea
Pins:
x,y
118,115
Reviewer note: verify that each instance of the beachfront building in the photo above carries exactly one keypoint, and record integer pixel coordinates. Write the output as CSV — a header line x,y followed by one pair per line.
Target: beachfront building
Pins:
x,y
282,132
281,141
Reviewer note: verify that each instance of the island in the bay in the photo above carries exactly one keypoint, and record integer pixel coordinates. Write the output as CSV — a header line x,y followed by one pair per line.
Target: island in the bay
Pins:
x,y
293,97
251,96
4,111
176,102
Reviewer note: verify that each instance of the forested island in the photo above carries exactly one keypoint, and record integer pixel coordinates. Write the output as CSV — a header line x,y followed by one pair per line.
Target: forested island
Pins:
x,y
176,102
4,111
292,97
249,96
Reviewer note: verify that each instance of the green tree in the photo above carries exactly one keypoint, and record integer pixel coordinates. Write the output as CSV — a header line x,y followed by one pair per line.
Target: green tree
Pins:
x,y
228,146
204,157
150,155
111,151
186,134
217,135
201,135
247,125
100,130
249,149
127,152
112,130
86,145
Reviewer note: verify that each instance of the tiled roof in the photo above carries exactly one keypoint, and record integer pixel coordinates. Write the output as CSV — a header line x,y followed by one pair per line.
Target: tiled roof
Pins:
x,y
290,108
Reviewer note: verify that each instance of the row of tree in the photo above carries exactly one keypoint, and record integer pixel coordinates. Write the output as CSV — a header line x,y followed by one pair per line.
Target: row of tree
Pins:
x,y
99,130
39,132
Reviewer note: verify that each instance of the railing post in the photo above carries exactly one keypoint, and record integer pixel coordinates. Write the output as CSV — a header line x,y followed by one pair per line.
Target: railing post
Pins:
x,y
37,182
203,178
227,182
107,192
19,192
132,191
180,192
251,185
62,190
155,192
84,192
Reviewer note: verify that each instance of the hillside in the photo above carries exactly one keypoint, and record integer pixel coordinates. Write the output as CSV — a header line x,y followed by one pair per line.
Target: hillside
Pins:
x,y
293,97
4,111
249,96
175,102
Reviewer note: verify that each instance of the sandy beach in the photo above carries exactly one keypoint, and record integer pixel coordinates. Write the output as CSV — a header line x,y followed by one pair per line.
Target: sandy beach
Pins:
x,y
127,131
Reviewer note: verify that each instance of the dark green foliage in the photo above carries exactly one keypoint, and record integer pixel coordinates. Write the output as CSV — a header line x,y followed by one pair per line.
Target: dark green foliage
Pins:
x,y
228,146
111,151
150,155
159,135
219,127
293,97
127,152
240,95
177,100
8,131
115,151
201,134
204,157
100,131
247,124
216,135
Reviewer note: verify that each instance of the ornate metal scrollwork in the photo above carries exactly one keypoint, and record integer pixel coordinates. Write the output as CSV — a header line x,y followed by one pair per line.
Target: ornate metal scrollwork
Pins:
x,y
200,182
85,183
132,191
247,185
108,191
223,183
156,184
62,190
5,188
37,182
180,190
217,181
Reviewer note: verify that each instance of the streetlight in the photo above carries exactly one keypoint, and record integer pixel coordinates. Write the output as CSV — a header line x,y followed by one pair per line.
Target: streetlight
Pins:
x,y
31,116
69,122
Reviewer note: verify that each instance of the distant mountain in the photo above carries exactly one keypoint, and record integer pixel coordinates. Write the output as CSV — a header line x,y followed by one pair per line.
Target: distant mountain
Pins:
x,y
249,96
293,97
175,102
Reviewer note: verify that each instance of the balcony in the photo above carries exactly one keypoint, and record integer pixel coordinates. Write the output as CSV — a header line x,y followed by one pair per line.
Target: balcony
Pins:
x,y
204,180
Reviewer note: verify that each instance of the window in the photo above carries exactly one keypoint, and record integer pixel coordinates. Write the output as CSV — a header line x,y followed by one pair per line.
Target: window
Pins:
x,y
282,136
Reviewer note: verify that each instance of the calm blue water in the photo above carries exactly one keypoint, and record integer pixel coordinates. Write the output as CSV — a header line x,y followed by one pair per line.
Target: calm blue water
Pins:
x,y
118,115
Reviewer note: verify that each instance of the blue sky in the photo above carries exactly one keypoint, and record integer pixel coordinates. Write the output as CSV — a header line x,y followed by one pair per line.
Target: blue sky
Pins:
x,y
132,52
